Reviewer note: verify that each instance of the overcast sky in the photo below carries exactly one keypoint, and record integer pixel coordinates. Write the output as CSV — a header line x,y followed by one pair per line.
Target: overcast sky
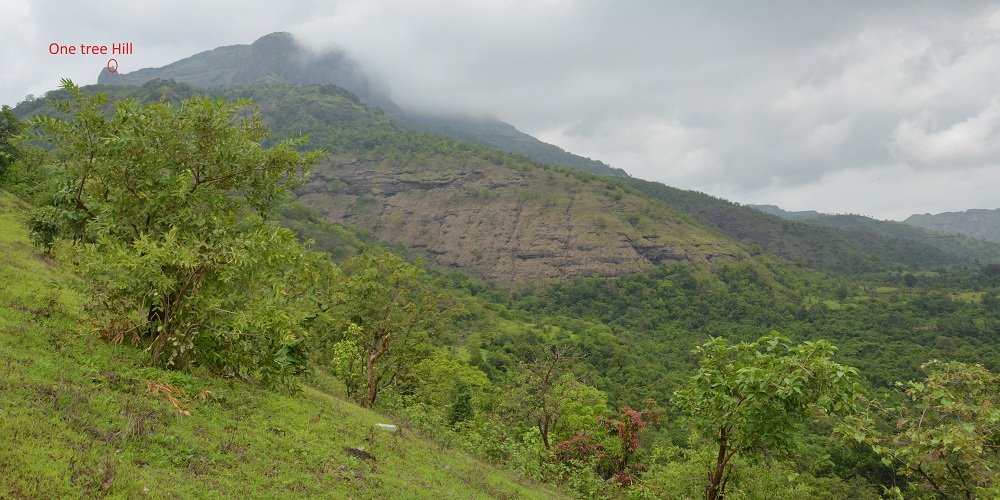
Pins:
x,y
882,108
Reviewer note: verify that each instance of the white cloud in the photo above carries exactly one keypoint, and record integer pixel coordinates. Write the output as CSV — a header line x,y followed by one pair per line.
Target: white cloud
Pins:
x,y
893,191
736,99
973,140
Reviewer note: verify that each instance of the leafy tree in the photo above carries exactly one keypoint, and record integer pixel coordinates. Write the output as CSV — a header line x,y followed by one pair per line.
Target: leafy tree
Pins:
x,y
947,431
545,388
167,206
461,406
10,130
751,398
388,318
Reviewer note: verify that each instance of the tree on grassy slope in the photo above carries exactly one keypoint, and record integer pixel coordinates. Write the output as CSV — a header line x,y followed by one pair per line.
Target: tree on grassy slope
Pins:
x,y
388,318
163,209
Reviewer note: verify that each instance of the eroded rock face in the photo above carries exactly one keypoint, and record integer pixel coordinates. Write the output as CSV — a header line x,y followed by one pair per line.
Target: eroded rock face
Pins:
x,y
513,226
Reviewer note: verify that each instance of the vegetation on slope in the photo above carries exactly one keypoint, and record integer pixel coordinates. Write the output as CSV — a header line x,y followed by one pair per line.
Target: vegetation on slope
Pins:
x,y
907,244
82,417
530,379
839,243
278,58
503,136
976,223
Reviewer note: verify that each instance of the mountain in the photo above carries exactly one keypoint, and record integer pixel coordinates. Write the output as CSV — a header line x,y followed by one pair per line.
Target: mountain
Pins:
x,y
905,243
273,58
462,206
278,58
511,217
977,223
899,242
784,214
840,243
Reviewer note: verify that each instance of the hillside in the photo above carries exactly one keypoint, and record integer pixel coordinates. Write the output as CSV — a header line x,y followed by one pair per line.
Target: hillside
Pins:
x,y
905,243
481,366
462,206
503,136
278,58
982,224
82,417
899,242
504,219
845,244
816,247
784,214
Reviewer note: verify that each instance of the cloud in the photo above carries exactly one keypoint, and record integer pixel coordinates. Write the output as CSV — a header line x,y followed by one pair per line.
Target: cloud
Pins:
x,y
974,140
892,191
733,98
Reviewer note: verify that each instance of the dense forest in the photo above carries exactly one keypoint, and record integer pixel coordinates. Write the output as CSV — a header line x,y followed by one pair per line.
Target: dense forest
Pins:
x,y
805,366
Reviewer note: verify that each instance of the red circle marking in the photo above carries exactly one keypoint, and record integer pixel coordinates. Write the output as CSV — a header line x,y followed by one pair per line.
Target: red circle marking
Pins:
x,y
113,69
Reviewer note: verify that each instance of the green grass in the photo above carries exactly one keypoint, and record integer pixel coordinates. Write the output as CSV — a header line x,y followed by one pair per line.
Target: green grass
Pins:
x,y
81,417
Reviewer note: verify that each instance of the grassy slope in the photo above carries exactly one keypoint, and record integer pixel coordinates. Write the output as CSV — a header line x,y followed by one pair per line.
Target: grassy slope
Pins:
x,y
77,418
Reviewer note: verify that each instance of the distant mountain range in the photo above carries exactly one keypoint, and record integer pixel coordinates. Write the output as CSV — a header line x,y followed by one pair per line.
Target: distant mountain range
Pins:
x,y
920,238
977,223
784,214
278,58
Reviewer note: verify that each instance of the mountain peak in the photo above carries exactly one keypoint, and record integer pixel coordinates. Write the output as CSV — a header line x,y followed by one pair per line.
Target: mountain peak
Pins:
x,y
273,57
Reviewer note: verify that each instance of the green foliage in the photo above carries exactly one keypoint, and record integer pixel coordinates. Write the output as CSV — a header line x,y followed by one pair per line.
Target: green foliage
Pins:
x,y
165,205
440,381
10,130
947,433
546,393
78,419
906,244
752,398
387,318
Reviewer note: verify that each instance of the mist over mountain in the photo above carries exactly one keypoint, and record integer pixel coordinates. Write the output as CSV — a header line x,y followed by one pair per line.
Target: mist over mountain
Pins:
x,y
279,58
272,58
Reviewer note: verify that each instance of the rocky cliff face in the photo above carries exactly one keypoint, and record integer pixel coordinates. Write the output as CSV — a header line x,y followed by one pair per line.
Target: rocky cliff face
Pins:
x,y
511,225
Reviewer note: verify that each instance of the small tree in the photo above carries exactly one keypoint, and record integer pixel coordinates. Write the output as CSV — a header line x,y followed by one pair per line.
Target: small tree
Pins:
x,y
10,130
545,387
626,429
388,319
750,398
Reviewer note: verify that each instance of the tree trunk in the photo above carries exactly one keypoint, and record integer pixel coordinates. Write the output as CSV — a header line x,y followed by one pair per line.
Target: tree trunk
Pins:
x,y
716,486
371,387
